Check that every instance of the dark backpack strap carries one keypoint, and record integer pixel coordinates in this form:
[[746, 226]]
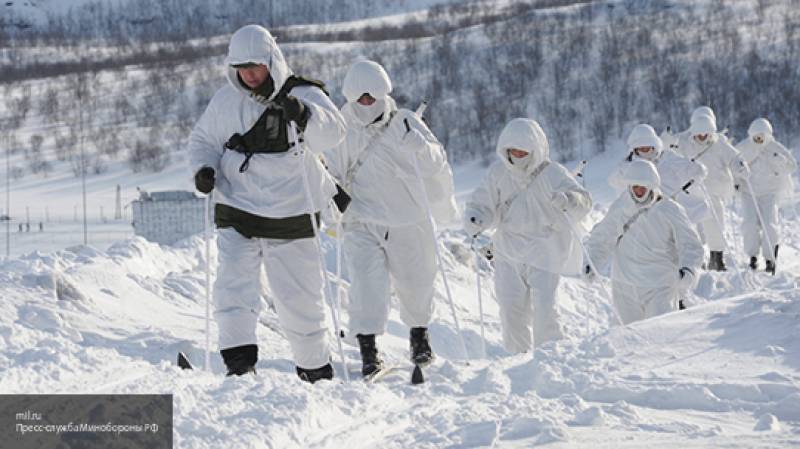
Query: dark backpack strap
[[295, 81]]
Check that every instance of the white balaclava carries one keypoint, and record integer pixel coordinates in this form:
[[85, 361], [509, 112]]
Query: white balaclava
[[644, 135], [520, 163], [642, 173], [762, 127], [367, 77]]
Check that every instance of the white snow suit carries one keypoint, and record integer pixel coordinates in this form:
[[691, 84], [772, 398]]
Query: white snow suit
[[534, 243], [771, 166], [388, 239], [647, 243], [271, 188], [721, 161]]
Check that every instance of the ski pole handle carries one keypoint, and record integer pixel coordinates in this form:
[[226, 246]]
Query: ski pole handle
[[682, 189], [421, 109]]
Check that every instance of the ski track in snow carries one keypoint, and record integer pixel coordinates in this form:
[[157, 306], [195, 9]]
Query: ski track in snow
[[725, 373]]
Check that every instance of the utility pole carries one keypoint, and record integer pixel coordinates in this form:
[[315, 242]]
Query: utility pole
[[8, 198], [118, 205], [82, 82]]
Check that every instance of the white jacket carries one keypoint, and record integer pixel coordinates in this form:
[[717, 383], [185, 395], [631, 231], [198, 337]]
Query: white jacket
[[530, 230], [272, 186], [385, 189], [675, 171], [656, 245], [719, 159], [771, 166]]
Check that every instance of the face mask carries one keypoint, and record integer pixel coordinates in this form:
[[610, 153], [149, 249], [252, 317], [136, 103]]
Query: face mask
[[368, 114], [646, 198], [520, 163], [710, 140], [648, 155]]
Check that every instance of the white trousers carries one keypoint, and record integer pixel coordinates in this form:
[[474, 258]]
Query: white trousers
[[379, 257], [294, 276], [752, 231], [527, 297], [638, 303], [712, 230]]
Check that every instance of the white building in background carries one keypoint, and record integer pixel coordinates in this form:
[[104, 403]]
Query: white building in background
[[167, 217]]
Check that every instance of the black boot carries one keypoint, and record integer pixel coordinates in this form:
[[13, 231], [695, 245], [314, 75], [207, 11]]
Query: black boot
[[754, 263], [770, 268], [370, 360], [240, 359], [771, 263], [313, 375], [712, 262], [721, 261], [421, 352], [716, 262]]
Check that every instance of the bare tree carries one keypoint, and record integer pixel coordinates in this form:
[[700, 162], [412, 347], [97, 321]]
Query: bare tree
[[48, 105], [149, 154]]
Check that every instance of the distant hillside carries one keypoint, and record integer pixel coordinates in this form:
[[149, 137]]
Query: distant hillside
[[588, 71]]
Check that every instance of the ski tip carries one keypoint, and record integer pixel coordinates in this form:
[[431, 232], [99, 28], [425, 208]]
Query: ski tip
[[416, 376], [183, 362]]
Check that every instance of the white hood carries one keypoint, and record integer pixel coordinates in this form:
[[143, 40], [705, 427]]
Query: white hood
[[523, 134], [644, 135], [253, 43], [366, 77], [703, 110], [761, 126]]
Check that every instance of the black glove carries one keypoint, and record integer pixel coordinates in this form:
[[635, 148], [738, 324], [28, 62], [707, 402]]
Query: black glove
[[204, 179], [587, 269], [296, 111], [736, 187], [341, 199]]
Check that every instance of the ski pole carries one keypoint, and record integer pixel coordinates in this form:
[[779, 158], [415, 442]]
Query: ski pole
[[432, 222], [207, 238], [480, 293], [684, 189], [339, 286], [318, 243], [592, 267]]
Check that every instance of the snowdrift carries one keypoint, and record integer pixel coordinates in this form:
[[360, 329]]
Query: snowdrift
[[724, 373]]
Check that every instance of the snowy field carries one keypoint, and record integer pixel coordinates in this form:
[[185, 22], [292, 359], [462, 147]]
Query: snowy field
[[110, 318]]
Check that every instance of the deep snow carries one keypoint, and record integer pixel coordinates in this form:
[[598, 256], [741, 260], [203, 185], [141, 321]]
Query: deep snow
[[725, 373]]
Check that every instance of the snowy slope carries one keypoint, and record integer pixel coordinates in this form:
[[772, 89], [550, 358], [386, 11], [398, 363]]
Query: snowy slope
[[725, 373]]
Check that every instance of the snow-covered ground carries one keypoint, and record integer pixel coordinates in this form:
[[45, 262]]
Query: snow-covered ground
[[724, 373]]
